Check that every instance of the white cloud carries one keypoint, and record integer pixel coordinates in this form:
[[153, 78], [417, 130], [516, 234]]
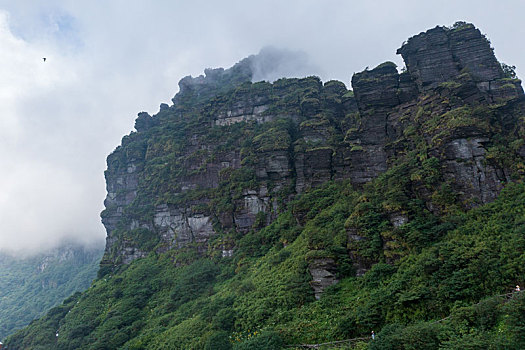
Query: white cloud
[[44, 195]]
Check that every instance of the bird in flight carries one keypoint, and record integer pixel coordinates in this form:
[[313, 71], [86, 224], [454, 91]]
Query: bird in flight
[[44, 59]]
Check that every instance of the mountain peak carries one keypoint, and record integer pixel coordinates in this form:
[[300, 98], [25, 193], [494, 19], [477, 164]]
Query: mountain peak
[[442, 53]]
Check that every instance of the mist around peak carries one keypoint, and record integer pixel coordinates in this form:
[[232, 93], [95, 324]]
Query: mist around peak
[[272, 63]]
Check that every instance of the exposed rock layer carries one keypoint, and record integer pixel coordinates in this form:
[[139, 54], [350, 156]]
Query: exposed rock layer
[[449, 104]]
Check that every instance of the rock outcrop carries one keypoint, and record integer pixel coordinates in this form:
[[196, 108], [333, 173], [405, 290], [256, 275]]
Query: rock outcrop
[[441, 54], [229, 153], [323, 271]]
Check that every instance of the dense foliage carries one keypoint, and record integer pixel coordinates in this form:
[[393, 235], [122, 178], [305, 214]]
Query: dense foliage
[[262, 295]]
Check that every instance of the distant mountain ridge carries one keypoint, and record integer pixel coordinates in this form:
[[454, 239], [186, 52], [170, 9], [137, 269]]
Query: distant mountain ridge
[[30, 286]]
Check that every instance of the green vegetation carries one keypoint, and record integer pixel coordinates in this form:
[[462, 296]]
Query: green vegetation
[[386, 64], [509, 71], [461, 25], [262, 295]]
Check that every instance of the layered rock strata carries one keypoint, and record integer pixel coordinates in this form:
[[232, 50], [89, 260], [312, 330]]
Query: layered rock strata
[[449, 104]]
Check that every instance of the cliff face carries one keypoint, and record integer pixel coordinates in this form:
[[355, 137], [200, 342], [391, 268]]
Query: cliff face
[[228, 153]]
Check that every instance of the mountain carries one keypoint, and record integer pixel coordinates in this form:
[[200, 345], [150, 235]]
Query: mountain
[[30, 286], [258, 215]]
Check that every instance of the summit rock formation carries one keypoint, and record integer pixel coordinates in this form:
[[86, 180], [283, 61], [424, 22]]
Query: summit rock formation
[[448, 104]]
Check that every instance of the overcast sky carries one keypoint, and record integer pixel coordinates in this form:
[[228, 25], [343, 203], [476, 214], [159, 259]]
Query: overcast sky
[[108, 60]]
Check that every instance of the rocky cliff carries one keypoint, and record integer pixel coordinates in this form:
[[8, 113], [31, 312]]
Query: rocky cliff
[[257, 215], [229, 153]]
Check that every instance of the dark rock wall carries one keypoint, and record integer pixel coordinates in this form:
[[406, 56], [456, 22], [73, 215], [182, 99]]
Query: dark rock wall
[[454, 94], [441, 54]]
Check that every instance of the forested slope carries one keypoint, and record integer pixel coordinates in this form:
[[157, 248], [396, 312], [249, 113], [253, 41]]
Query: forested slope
[[32, 285]]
